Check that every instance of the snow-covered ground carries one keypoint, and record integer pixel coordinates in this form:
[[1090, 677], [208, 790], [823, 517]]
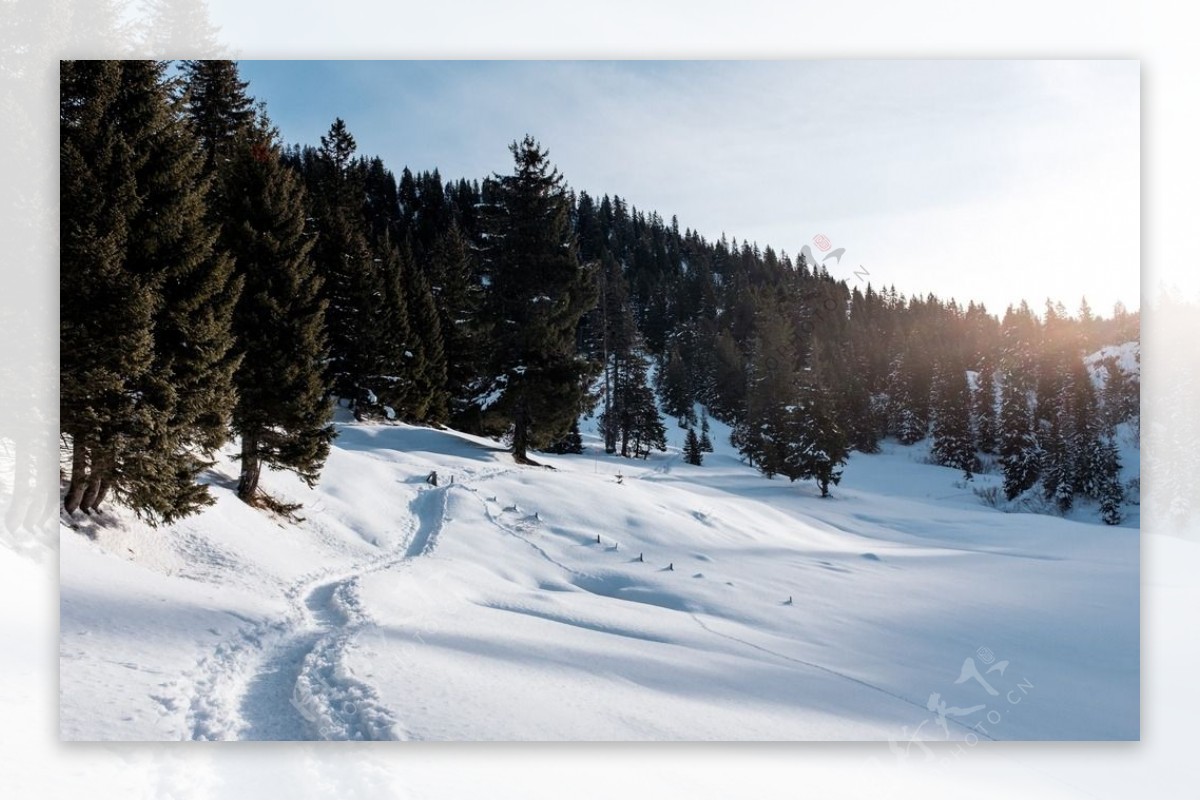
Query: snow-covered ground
[[604, 599]]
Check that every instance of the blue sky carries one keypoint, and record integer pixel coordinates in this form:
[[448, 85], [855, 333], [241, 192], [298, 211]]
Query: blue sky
[[984, 180]]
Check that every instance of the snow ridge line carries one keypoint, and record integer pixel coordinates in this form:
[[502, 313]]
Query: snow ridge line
[[813, 665], [825, 669], [513, 532]]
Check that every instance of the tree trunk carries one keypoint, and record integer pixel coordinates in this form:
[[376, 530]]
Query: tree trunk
[[102, 491], [78, 476], [520, 434], [251, 469], [96, 479]]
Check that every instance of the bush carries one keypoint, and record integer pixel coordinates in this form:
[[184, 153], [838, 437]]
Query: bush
[[989, 495]]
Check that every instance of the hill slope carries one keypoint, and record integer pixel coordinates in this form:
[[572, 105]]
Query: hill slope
[[715, 605]]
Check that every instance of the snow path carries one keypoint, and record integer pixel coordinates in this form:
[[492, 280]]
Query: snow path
[[287, 679]]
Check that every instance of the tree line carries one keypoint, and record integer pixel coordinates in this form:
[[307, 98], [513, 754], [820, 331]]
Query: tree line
[[217, 284]]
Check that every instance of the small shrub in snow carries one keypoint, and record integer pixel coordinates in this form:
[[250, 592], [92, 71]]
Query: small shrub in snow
[[990, 495]]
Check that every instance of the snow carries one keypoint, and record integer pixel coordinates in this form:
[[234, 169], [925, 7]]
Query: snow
[[717, 604], [1126, 356]]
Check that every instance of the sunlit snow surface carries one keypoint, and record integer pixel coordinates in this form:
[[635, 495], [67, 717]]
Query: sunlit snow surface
[[716, 604]]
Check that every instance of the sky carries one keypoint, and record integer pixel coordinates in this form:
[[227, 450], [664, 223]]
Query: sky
[[992, 181]]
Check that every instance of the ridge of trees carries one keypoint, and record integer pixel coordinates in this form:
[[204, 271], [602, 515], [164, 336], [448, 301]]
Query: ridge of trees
[[217, 283]]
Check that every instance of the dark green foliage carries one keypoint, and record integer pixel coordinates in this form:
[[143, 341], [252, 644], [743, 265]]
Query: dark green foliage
[[147, 301], [676, 398], [904, 418], [216, 103], [427, 366], [571, 442], [1020, 455], [692, 452], [953, 444], [705, 441], [459, 297], [283, 407], [1111, 492], [791, 426], [1120, 396], [538, 293], [984, 401], [495, 304], [1087, 431], [817, 447], [1058, 473]]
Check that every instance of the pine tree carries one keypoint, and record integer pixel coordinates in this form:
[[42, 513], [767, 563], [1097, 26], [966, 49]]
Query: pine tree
[[817, 446], [107, 311], [619, 345], [642, 426], [692, 452], [215, 101], [1111, 493], [177, 403], [283, 407], [459, 295], [538, 293], [571, 442], [1058, 477], [1020, 456], [1120, 401], [771, 385], [904, 421], [429, 375], [705, 441], [984, 402], [953, 444], [394, 368], [366, 315], [726, 392], [676, 398], [1087, 429]]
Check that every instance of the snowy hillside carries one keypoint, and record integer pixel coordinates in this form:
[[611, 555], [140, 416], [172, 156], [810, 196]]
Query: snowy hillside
[[603, 599]]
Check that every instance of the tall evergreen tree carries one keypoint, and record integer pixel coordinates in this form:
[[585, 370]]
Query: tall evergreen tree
[[1087, 431], [107, 311], [571, 442], [771, 386], [953, 443], [904, 420], [692, 452], [705, 440], [178, 402], [676, 398], [216, 102], [984, 402], [538, 293], [1111, 493], [364, 284], [283, 408], [459, 299], [429, 373], [817, 448], [633, 418], [1020, 455]]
